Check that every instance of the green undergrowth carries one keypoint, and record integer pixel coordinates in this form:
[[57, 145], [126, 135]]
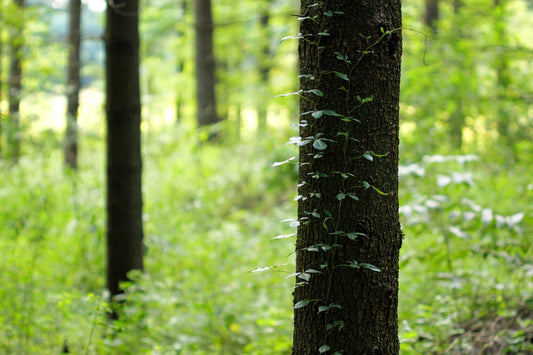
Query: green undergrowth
[[215, 280]]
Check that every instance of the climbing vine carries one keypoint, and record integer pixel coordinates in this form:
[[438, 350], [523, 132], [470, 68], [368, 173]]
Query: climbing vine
[[317, 143]]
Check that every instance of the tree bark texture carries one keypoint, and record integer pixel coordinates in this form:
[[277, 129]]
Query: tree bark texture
[[124, 164], [15, 85], [205, 64], [350, 84], [73, 85]]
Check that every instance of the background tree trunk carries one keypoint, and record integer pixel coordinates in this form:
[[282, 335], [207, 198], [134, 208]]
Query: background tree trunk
[[431, 14], [265, 66], [205, 64], [180, 65], [15, 86], [124, 164], [1, 74], [346, 226], [73, 85]]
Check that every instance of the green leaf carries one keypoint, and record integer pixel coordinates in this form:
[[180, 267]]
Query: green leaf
[[290, 93], [323, 309], [380, 192], [331, 113], [319, 144], [312, 271], [370, 267], [342, 75], [366, 185], [341, 196], [323, 34], [353, 197], [355, 235], [368, 156], [301, 304], [324, 348], [317, 92], [317, 114], [304, 276]]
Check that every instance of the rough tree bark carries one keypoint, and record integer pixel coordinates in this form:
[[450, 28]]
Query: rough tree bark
[[205, 64], [350, 77], [124, 164], [73, 85]]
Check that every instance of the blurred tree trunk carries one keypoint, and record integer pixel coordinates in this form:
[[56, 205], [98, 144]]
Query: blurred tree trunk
[[503, 73], [1, 74], [124, 164], [205, 64], [265, 66], [431, 15], [15, 83], [459, 81], [349, 236], [180, 64], [73, 85]]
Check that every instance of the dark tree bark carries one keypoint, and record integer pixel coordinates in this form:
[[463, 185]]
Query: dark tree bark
[[73, 85], [205, 64], [349, 235], [431, 14], [15, 87], [124, 164], [265, 66]]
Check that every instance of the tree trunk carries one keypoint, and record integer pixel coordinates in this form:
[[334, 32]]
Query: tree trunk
[[205, 64], [460, 82], [180, 64], [15, 86], [73, 85], [1, 74], [265, 65], [349, 235], [124, 164], [431, 14], [503, 74]]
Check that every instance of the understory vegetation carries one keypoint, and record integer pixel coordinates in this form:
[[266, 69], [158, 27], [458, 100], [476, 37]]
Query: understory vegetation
[[217, 255]]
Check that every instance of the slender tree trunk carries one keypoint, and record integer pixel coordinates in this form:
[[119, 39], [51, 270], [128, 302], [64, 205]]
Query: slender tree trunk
[[265, 65], [431, 14], [73, 85], [124, 164], [1, 74], [180, 64], [349, 235], [460, 83], [503, 74], [15, 87], [205, 64]]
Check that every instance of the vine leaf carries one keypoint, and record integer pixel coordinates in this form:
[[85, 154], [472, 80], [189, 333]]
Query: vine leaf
[[324, 348], [301, 304], [342, 75], [319, 144], [317, 114]]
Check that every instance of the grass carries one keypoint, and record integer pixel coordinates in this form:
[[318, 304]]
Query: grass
[[211, 213]]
